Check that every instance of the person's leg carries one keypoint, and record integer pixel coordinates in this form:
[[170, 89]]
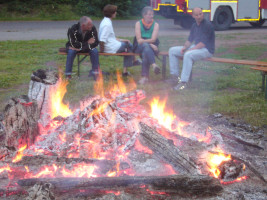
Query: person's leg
[[174, 54], [189, 58], [127, 60], [148, 57], [94, 57], [70, 58]]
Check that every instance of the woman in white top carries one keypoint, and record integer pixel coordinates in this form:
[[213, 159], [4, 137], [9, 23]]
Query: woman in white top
[[109, 43]]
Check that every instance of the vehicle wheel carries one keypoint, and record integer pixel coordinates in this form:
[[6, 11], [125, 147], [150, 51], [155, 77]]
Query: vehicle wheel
[[223, 18], [257, 24], [186, 22]]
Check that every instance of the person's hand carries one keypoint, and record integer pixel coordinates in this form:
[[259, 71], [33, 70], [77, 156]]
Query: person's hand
[[72, 48], [91, 40], [154, 47], [183, 50]]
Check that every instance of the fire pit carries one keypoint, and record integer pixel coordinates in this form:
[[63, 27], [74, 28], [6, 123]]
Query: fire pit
[[112, 148]]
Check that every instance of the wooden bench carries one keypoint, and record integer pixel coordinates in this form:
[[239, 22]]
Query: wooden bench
[[258, 65], [62, 51]]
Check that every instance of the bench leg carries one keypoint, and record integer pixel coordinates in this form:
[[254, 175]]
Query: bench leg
[[164, 60], [263, 82], [78, 58], [265, 87]]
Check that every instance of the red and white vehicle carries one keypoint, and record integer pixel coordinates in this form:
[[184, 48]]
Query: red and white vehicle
[[221, 12]]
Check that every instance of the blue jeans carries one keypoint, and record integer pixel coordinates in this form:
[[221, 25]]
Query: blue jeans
[[71, 56], [148, 57], [189, 58], [126, 47]]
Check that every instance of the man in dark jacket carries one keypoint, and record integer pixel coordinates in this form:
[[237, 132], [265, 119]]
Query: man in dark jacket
[[82, 37]]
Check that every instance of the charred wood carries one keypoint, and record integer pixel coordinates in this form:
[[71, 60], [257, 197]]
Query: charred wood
[[199, 185], [21, 122], [166, 150], [240, 141]]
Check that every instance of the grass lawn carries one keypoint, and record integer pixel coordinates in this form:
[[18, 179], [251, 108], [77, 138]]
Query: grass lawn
[[233, 90]]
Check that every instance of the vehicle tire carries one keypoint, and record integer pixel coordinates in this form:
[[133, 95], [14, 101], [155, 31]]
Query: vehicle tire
[[223, 18], [187, 22], [257, 24]]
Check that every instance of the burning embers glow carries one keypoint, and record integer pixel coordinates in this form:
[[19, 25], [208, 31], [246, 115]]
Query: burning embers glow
[[214, 161], [165, 118]]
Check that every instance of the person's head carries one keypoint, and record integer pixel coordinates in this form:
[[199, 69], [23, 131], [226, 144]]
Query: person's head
[[86, 23], [148, 13], [110, 11], [198, 15]]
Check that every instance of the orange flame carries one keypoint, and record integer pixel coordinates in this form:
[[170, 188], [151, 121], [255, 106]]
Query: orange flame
[[58, 108], [19, 154], [214, 160], [157, 112], [6, 168], [98, 86]]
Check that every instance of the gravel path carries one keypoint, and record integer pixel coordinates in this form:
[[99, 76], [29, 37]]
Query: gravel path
[[29, 30]]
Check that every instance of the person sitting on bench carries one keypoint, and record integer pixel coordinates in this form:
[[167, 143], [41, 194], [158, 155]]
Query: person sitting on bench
[[202, 34], [110, 44], [82, 37], [146, 42]]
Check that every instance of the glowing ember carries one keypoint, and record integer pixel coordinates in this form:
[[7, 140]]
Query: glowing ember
[[56, 100], [19, 154], [234, 181], [214, 160]]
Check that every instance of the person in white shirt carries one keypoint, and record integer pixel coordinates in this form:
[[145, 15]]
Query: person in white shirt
[[110, 44]]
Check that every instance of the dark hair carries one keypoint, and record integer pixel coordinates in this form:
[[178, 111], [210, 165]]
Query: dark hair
[[109, 10]]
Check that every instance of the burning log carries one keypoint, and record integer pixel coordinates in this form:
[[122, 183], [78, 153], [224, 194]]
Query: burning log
[[166, 150], [21, 122], [248, 165], [185, 185]]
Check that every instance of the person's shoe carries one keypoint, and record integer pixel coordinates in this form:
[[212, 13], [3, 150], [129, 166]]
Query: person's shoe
[[137, 62], [126, 74], [156, 69], [143, 80], [180, 86], [173, 80]]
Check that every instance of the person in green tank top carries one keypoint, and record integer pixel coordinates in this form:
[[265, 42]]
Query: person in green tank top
[[146, 33]]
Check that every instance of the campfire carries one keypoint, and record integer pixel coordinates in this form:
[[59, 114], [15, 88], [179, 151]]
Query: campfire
[[111, 146]]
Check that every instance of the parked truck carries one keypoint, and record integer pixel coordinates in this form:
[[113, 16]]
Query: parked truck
[[221, 12]]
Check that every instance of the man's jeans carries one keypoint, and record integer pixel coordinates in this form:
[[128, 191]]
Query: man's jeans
[[71, 56], [148, 57], [189, 58], [126, 47]]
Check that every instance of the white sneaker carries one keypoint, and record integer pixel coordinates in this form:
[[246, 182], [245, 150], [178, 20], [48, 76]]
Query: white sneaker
[[143, 80]]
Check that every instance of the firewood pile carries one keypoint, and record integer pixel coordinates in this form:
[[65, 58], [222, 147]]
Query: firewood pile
[[112, 148]]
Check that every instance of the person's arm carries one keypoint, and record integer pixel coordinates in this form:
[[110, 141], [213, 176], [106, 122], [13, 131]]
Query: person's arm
[[139, 38], [103, 36], [93, 41], [74, 43], [138, 33], [187, 44], [199, 45]]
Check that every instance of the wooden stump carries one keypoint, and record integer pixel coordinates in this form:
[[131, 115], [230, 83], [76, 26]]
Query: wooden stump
[[20, 121], [40, 88]]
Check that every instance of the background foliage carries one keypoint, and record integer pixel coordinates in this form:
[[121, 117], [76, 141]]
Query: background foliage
[[92, 8]]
